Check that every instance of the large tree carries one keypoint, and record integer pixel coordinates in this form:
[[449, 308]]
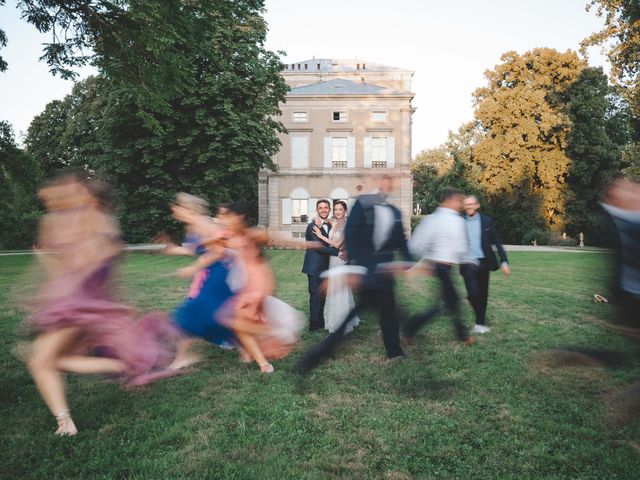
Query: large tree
[[593, 146], [621, 35], [187, 98], [525, 129]]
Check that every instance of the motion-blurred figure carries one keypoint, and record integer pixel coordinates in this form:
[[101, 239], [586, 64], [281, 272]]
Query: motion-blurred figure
[[441, 239], [622, 202], [80, 328], [234, 305]]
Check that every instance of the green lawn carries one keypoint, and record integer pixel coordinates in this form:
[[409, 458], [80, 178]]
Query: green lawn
[[499, 409]]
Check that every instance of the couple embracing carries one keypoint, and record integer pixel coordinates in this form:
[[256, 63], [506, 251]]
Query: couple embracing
[[328, 233]]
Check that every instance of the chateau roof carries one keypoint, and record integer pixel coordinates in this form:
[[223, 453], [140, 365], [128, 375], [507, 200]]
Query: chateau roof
[[315, 65], [340, 86]]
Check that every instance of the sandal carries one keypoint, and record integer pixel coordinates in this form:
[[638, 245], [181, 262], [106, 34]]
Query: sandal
[[66, 427], [266, 368], [599, 298]]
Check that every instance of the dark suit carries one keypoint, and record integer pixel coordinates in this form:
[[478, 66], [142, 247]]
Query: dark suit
[[316, 261], [376, 290], [476, 277]]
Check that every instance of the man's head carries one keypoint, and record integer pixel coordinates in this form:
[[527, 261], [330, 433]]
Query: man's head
[[471, 205], [323, 208], [384, 183], [451, 198]]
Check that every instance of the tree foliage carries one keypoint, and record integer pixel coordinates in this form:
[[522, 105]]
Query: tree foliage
[[621, 34], [3, 43], [186, 100], [19, 175], [446, 166], [595, 156], [525, 128]]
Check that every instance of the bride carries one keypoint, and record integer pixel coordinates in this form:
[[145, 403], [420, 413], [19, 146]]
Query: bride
[[339, 297]]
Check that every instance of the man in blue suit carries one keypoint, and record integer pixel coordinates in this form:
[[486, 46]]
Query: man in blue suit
[[316, 261], [373, 233]]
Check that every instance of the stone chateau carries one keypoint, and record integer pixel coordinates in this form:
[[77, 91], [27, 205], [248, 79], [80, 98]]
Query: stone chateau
[[346, 119]]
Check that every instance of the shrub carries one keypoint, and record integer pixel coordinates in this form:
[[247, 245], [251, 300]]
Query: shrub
[[540, 235], [556, 239]]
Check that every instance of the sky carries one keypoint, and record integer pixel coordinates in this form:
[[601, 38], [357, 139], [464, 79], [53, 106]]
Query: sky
[[449, 44]]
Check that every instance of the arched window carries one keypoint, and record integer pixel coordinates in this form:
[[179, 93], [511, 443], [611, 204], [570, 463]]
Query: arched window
[[295, 209]]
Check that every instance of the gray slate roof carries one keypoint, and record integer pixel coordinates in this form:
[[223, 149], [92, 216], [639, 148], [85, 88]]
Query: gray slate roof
[[340, 86]]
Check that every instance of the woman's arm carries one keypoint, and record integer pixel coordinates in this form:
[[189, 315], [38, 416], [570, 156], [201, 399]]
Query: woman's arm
[[334, 243], [203, 261]]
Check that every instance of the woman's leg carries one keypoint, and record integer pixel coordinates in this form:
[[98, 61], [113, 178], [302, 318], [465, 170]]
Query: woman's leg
[[85, 364], [184, 358], [47, 349], [251, 346]]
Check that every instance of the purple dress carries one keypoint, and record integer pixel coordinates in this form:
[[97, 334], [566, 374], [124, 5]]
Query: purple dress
[[106, 327]]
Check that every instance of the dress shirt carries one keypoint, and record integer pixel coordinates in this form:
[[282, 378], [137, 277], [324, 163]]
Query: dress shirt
[[382, 226], [441, 238], [474, 234]]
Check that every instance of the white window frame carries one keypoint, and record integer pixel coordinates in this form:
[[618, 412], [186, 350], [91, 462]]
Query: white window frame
[[343, 114], [300, 120], [378, 120], [380, 161], [299, 199], [339, 152], [379, 149]]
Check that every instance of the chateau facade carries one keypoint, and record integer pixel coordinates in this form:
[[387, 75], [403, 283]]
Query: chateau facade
[[346, 120]]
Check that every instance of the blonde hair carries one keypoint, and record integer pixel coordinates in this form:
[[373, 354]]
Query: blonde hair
[[193, 203]]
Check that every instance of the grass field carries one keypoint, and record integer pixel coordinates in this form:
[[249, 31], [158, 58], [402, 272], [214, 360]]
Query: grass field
[[499, 409]]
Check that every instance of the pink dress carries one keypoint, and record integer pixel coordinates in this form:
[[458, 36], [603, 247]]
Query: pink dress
[[105, 326]]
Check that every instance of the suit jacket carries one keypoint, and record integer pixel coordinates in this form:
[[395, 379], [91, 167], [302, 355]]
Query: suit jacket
[[316, 260], [490, 236], [359, 235]]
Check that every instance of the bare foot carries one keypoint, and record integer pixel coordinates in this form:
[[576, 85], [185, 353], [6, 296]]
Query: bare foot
[[183, 362]]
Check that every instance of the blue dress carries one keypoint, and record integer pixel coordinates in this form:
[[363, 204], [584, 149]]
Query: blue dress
[[198, 316]]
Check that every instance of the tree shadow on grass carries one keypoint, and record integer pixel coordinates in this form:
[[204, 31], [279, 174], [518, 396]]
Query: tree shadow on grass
[[572, 356]]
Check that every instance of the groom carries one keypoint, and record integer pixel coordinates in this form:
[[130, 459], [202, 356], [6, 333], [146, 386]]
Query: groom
[[316, 261]]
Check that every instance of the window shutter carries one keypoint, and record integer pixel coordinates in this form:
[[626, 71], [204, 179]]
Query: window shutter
[[286, 211], [367, 152], [312, 208], [299, 152], [327, 152], [391, 152], [351, 152]]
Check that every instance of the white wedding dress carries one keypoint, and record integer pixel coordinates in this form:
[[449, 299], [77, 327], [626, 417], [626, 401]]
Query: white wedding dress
[[339, 300]]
